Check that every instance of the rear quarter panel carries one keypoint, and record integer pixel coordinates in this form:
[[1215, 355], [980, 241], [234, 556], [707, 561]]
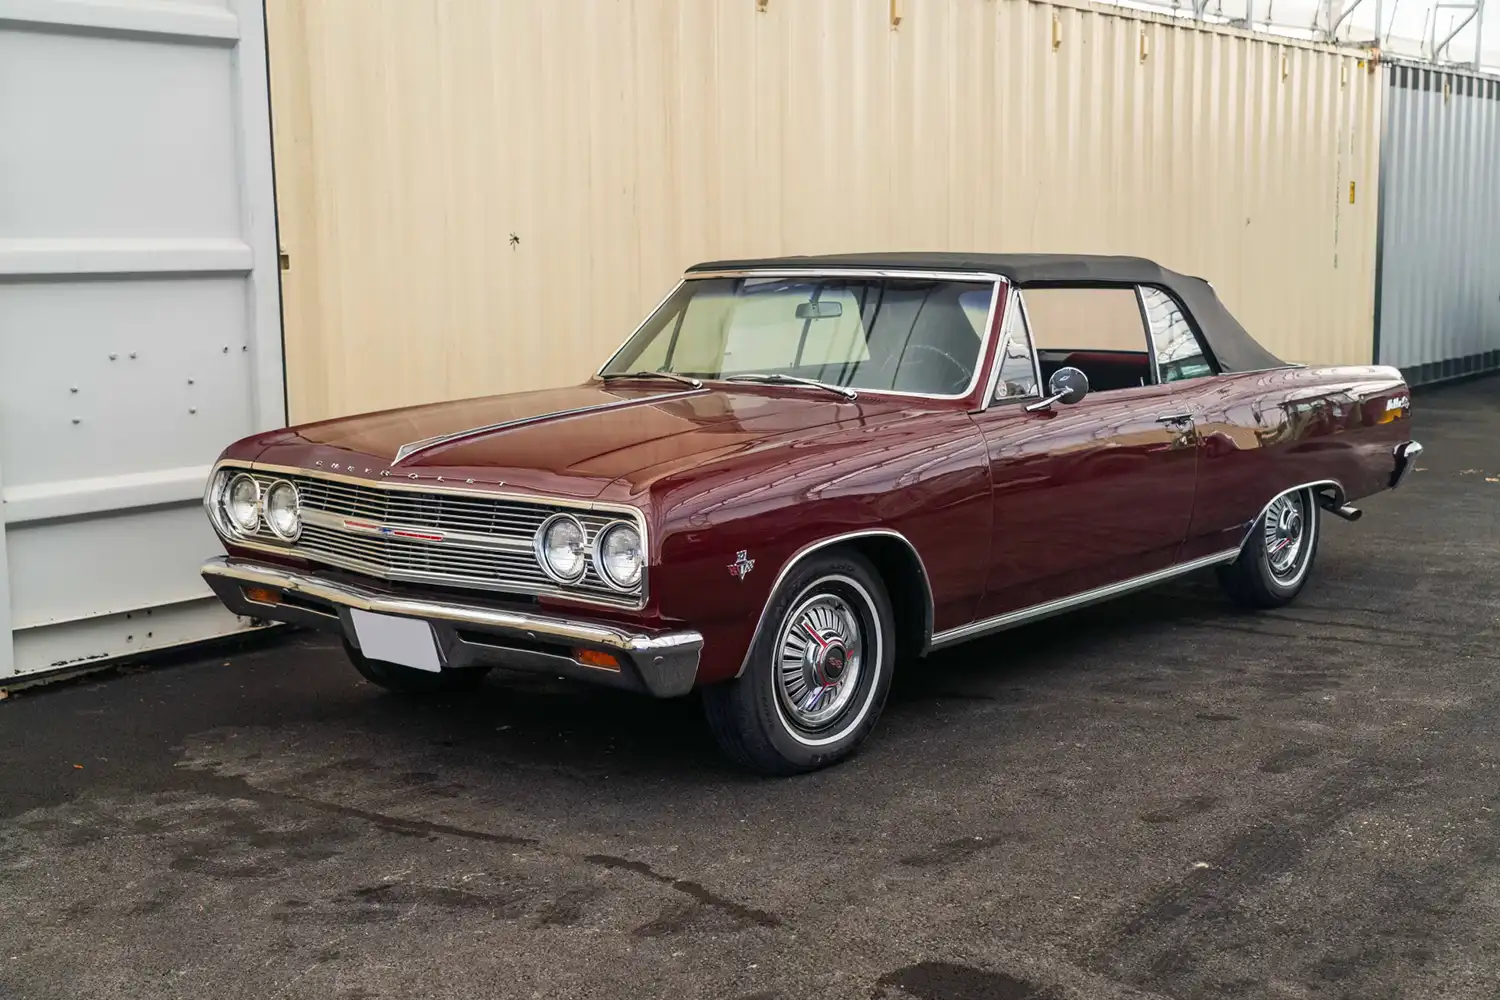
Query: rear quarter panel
[[1262, 433]]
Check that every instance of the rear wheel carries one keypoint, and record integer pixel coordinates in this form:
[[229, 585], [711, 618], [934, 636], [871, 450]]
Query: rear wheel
[[1277, 557], [818, 674], [408, 680]]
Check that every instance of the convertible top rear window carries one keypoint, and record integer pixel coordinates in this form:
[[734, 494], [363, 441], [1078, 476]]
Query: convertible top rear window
[[913, 335]]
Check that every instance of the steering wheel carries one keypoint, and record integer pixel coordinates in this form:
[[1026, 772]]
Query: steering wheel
[[960, 372]]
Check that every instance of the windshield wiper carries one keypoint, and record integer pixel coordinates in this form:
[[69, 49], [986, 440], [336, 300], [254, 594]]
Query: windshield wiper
[[609, 376], [777, 379]]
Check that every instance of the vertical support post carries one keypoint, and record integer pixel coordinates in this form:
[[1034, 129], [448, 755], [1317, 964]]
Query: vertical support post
[[1478, 33], [7, 645], [258, 217], [1379, 13]]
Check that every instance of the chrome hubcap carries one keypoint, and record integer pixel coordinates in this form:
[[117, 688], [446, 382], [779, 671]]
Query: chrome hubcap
[[1285, 535], [820, 651]]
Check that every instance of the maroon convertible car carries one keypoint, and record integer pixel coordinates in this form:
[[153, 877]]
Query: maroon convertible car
[[803, 472]]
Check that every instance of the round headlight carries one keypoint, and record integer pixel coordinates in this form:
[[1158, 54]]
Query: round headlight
[[618, 556], [562, 548], [241, 504], [283, 511]]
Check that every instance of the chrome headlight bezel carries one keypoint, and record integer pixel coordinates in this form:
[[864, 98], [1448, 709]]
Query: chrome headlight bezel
[[602, 568], [226, 509], [266, 505], [539, 547]]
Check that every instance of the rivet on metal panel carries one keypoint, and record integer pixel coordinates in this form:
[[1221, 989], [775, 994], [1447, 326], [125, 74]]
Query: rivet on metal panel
[[73, 388], [244, 347], [192, 409], [226, 351], [895, 14], [1056, 32], [112, 357], [190, 381], [77, 420], [760, 6], [1145, 45], [132, 355]]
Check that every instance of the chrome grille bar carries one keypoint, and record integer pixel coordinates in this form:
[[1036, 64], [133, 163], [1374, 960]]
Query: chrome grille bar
[[484, 542]]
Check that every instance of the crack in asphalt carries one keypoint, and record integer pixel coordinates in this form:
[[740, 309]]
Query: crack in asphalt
[[696, 891], [693, 889]]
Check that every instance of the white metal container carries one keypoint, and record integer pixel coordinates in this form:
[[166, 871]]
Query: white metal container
[[139, 314], [1438, 310]]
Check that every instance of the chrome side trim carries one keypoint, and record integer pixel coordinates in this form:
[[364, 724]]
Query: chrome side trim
[[1406, 455], [1037, 611], [1250, 528], [809, 549], [426, 444]]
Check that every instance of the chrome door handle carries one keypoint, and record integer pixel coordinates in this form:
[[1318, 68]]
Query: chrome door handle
[[1176, 418]]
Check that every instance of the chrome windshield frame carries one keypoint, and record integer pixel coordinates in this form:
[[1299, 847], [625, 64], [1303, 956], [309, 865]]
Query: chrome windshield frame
[[998, 288]]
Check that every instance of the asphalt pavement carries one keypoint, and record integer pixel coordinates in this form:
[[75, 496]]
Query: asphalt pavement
[[1162, 797]]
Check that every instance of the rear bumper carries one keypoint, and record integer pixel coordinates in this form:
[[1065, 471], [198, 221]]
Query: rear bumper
[[664, 664], [1406, 454]]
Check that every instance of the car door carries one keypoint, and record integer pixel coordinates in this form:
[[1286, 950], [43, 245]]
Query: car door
[[1094, 493]]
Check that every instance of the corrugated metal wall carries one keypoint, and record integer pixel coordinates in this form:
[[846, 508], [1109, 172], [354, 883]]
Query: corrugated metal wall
[[486, 195], [1439, 274]]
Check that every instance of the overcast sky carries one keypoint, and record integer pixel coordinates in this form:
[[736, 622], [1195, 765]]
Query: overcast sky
[[1407, 23]]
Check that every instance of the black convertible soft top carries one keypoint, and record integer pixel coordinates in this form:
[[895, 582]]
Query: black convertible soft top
[[1233, 348]]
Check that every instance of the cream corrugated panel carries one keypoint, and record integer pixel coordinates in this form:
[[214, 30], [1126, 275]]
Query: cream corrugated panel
[[486, 195]]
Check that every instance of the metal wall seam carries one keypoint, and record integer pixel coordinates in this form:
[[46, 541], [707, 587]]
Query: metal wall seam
[[1439, 284]]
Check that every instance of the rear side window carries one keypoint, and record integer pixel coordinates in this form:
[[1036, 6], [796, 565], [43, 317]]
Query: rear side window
[[1096, 330], [1178, 353]]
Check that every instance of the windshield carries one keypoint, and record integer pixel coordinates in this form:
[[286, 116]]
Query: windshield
[[896, 334]]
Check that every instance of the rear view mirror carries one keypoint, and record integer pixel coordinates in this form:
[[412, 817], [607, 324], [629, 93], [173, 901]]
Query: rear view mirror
[[820, 310], [1069, 385]]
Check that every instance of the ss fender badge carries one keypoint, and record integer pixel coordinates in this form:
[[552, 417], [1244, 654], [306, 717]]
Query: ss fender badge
[[1397, 403], [742, 565]]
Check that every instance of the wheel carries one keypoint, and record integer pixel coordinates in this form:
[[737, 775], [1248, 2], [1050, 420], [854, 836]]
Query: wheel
[[408, 680], [818, 674], [1276, 559]]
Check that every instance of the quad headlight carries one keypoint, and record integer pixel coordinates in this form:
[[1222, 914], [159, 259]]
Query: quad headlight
[[618, 555], [562, 548], [284, 511], [240, 504]]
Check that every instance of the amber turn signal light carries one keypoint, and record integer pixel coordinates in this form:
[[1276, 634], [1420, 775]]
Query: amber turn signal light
[[260, 595], [594, 658]]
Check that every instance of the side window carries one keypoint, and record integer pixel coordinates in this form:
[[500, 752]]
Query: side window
[[1097, 330], [1017, 376], [1178, 354]]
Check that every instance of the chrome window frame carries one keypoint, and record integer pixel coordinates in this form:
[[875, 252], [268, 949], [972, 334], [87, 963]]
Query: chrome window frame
[[631, 600], [999, 285], [1015, 305]]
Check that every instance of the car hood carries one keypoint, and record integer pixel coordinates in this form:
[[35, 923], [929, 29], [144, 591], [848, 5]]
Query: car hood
[[575, 441]]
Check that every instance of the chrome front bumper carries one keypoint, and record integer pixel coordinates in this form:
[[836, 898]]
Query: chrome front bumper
[[1406, 454], [664, 664]]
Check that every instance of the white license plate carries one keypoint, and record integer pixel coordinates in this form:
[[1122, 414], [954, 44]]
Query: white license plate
[[406, 641]]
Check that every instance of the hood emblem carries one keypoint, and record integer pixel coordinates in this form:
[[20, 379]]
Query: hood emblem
[[390, 532], [742, 565]]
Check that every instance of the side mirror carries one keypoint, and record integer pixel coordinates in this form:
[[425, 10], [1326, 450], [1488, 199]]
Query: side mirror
[[1067, 385]]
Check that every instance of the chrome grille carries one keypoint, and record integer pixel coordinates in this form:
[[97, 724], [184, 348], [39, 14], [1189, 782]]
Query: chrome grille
[[489, 543]]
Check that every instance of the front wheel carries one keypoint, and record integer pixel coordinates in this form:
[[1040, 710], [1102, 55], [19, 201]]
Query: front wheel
[[1277, 557], [818, 674]]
